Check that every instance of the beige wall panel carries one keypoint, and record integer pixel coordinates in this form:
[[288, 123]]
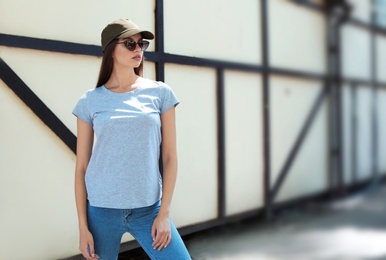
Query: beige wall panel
[[214, 29], [291, 102], [296, 37], [244, 133], [364, 141], [36, 187], [361, 10], [149, 70], [381, 58], [195, 198], [381, 131], [72, 21], [347, 109], [59, 80], [356, 46]]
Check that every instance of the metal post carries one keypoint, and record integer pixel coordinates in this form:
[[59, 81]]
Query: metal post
[[221, 144], [159, 40], [266, 107], [374, 88]]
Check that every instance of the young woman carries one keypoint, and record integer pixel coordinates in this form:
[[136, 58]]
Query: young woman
[[118, 186]]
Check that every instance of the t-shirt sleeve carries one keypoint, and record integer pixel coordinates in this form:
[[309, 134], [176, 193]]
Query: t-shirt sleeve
[[169, 99], [82, 111]]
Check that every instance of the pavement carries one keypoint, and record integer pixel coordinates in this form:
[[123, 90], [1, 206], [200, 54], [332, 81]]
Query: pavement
[[346, 229], [351, 228]]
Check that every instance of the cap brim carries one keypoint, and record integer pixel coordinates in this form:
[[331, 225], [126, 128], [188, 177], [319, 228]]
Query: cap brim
[[145, 34]]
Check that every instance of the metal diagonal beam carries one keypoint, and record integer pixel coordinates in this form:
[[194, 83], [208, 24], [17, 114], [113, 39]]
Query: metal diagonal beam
[[12, 80], [298, 143]]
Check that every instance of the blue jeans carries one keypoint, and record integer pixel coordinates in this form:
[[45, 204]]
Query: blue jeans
[[108, 226]]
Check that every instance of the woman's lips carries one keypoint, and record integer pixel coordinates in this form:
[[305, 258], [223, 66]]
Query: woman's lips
[[137, 57]]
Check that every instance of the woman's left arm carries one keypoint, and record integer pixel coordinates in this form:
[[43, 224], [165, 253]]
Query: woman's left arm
[[161, 227]]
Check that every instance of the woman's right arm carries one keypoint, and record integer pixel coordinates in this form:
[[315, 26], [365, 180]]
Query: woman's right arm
[[85, 139]]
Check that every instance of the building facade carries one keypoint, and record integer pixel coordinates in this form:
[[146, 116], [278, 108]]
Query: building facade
[[281, 101]]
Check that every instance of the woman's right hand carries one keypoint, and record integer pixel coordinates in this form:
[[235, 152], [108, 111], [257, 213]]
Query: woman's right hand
[[86, 245]]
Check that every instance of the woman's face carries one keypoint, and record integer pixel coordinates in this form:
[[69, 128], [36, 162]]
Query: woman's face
[[124, 57]]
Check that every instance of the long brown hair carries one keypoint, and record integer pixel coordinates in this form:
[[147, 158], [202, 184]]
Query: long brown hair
[[108, 64]]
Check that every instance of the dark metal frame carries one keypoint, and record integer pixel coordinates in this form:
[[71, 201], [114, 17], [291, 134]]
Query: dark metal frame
[[374, 88], [265, 69], [334, 25], [13, 81], [268, 200], [354, 134], [221, 193]]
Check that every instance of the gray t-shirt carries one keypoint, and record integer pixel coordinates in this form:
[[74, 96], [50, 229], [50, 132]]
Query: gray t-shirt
[[123, 171]]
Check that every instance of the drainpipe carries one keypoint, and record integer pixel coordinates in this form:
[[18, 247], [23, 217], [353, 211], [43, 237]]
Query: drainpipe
[[337, 12]]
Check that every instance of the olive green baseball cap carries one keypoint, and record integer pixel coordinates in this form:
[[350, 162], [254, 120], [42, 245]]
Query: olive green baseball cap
[[120, 29]]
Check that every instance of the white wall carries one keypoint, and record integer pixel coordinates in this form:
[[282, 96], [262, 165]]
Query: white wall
[[36, 186], [356, 56], [361, 10], [291, 102], [195, 198], [381, 99], [297, 37], [244, 138], [381, 122], [364, 139], [73, 21], [214, 29], [381, 58]]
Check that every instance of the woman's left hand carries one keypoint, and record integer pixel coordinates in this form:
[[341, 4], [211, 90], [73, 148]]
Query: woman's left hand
[[161, 233]]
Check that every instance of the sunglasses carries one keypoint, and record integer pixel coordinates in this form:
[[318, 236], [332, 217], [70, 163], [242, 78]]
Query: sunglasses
[[131, 45]]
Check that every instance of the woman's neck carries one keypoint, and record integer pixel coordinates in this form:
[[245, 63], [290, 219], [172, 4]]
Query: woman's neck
[[122, 79]]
